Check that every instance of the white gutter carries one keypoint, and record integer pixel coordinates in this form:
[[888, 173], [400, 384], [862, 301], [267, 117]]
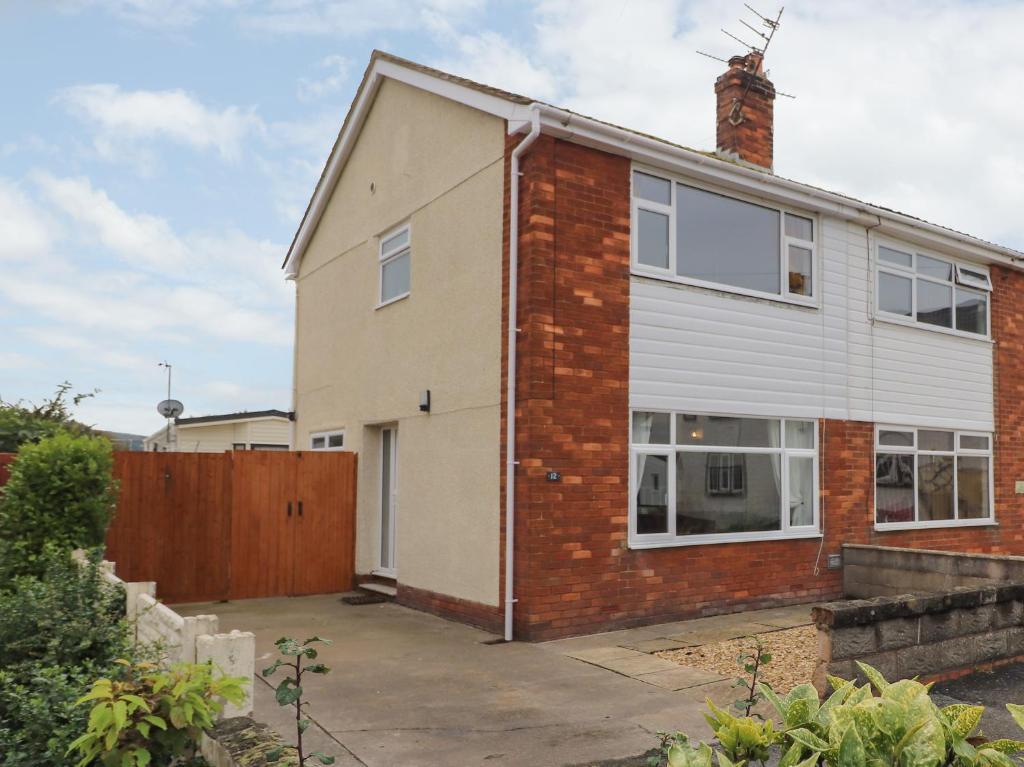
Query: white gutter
[[567, 125], [510, 395]]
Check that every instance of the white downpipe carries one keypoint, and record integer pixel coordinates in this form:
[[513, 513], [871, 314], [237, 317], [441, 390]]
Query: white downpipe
[[510, 396]]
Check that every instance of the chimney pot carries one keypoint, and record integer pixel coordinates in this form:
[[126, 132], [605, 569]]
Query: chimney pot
[[745, 111]]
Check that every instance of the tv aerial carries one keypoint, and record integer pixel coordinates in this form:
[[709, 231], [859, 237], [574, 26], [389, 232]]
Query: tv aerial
[[768, 27]]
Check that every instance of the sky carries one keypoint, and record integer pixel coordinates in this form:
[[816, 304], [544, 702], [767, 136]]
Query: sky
[[156, 155]]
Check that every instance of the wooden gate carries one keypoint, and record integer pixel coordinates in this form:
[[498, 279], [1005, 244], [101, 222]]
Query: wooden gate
[[208, 526]]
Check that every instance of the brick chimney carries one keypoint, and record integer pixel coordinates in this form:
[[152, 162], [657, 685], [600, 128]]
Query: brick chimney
[[745, 111]]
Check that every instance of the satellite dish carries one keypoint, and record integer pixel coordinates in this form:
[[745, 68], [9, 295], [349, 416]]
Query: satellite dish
[[170, 408]]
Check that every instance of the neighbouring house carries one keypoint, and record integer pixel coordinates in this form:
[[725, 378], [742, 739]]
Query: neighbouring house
[[125, 441], [716, 376], [255, 430]]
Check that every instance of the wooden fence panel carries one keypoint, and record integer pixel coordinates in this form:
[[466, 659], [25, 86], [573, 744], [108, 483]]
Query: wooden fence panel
[[173, 523], [263, 529], [5, 460], [211, 526], [324, 546]]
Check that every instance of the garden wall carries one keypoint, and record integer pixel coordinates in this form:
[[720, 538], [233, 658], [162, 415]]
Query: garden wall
[[186, 639], [921, 613], [875, 571]]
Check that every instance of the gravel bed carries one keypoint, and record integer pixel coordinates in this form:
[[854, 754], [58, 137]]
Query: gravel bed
[[794, 655]]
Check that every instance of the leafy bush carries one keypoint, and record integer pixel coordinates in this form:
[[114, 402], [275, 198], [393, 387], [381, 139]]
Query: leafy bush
[[151, 716], [70, 617], [22, 423], [57, 634], [60, 491], [38, 716], [876, 724]]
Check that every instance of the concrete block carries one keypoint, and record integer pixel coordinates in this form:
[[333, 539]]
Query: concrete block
[[978, 619], [989, 646], [132, 592], [901, 632], [928, 659], [853, 642], [235, 655], [937, 627], [1014, 641]]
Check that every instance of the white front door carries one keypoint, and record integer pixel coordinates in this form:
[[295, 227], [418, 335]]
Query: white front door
[[388, 500]]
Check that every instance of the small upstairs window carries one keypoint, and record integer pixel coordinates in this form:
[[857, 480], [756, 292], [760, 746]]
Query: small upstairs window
[[395, 265], [932, 291]]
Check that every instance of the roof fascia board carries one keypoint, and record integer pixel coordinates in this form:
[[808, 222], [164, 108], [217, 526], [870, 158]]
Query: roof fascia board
[[485, 102], [230, 421], [656, 153]]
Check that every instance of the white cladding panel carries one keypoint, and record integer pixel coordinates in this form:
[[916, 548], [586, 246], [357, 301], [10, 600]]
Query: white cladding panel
[[714, 352]]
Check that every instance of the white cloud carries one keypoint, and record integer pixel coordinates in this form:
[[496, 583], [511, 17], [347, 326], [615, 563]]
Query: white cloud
[[351, 18], [173, 115], [903, 104], [163, 14], [337, 68], [27, 231]]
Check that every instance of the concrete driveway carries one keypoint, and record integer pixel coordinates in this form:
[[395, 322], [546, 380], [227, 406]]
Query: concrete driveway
[[409, 689]]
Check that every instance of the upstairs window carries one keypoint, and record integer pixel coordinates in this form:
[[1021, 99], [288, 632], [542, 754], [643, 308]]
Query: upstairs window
[[931, 291], [395, 266], [700, 237]]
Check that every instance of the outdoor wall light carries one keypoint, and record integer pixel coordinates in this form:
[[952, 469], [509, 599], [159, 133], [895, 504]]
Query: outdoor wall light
[[425, 401]]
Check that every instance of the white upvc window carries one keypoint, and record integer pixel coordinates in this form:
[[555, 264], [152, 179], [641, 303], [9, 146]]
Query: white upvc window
[[395, 264], [698, 479], [931, 291], [327, 440], [696, 236], [932, 478]]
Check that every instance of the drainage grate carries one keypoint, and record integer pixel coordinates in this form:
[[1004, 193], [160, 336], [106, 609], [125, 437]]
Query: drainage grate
[[364, 599]]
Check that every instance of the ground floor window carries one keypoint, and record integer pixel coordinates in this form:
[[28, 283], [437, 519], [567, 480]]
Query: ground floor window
[[327, 440], [932, 477], [709, 478]]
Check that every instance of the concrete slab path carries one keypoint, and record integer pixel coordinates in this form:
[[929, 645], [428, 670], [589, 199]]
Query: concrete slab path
[[409, 689]]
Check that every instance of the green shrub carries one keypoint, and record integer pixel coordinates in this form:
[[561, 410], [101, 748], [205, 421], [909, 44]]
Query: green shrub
[[877, 724], [57, 634], [146, 716], [22, 423], [38, 716], [60, 491]]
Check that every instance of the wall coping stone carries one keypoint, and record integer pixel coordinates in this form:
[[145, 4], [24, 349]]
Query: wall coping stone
[[242, 742], [935, 552], [860, 612]]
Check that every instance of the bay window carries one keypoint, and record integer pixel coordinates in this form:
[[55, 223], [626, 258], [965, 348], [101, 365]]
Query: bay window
[[692, 235], [932, 477], [931, 291], [705, 479]]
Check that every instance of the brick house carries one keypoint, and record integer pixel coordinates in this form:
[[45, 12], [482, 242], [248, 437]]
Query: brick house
[[718, 375]]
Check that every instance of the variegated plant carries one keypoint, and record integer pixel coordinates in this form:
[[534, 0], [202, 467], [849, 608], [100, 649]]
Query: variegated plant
[[879, 724]]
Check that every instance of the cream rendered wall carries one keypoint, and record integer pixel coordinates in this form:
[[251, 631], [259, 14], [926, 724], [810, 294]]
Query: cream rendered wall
[[438, 165]]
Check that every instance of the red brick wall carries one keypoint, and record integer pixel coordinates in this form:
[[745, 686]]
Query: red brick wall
[[574, 571]]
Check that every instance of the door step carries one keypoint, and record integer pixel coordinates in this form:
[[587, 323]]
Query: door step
[[380, 588]]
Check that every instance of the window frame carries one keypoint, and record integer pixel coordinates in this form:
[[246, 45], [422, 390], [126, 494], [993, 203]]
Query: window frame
[[916, 451], [387, 257], [326, 435], [670, 274], [956, 282], [669, 539]]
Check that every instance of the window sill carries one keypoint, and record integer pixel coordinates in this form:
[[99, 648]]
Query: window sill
[[711, 540], [892, 526], [895, 319], [655, 274], [390, 301]]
